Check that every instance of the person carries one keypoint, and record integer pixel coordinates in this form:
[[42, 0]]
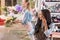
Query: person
[[43, 22], [27, 21], [24, 2], [24, 5]]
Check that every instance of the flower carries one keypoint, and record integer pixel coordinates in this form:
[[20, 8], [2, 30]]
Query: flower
[[9, 21], [18, 8], [8, 18]]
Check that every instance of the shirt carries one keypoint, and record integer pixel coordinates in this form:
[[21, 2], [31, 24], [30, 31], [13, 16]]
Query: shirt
[[27, 17]]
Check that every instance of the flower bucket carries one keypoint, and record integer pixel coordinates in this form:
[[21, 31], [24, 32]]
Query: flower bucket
[[2, 21]]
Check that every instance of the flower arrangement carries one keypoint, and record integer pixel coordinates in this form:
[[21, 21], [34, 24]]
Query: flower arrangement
[[9, 21], [18, 8]]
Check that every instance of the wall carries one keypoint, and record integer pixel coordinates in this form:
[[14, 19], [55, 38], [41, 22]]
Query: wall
[[2, 5], [50, 4]]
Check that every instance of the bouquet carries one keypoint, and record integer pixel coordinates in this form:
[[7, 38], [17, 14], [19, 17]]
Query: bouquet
[[10, 21]]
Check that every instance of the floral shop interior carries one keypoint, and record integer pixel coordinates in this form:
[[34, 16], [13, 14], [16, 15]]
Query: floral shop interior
[[16, 22]]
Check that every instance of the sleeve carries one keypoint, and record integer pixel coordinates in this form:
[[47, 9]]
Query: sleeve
[[25, 18], [49, 31]]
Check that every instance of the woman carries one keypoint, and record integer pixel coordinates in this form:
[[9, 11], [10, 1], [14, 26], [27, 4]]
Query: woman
[[44, 20], [27, 21], [24, 4]]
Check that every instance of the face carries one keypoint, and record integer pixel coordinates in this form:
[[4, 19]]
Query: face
[[24, 4], [40, 15]]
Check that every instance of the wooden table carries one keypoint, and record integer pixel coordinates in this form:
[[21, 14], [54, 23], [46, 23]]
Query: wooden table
[[55, 36]]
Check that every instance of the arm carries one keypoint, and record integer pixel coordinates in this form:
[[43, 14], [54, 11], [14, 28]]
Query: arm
[[25, 18]]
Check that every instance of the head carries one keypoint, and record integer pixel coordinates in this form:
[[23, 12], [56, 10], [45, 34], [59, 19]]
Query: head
[[45, 14], [24, 2]]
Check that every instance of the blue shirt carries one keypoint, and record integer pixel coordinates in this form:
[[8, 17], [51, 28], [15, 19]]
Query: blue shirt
[[27, 17]]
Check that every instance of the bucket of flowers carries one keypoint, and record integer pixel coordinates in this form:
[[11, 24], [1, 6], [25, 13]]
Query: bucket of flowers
[[10, 21], [2, 21]]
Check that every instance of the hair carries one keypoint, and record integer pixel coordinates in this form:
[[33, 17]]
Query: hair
[[46, 14], [36, 14], [26, 0], [28, 5], [38, 25]]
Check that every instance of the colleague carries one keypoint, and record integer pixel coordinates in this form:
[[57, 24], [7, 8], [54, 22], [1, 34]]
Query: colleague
[[43, 22], [27, 21]]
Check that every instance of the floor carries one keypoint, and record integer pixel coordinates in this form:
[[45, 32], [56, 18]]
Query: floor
[[15, 32]]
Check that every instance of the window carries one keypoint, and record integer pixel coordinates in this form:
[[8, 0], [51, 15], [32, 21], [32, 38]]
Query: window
[[14, 2], [10, 2]]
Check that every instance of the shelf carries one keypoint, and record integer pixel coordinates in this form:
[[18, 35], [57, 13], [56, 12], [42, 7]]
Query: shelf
[[56, 23]]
